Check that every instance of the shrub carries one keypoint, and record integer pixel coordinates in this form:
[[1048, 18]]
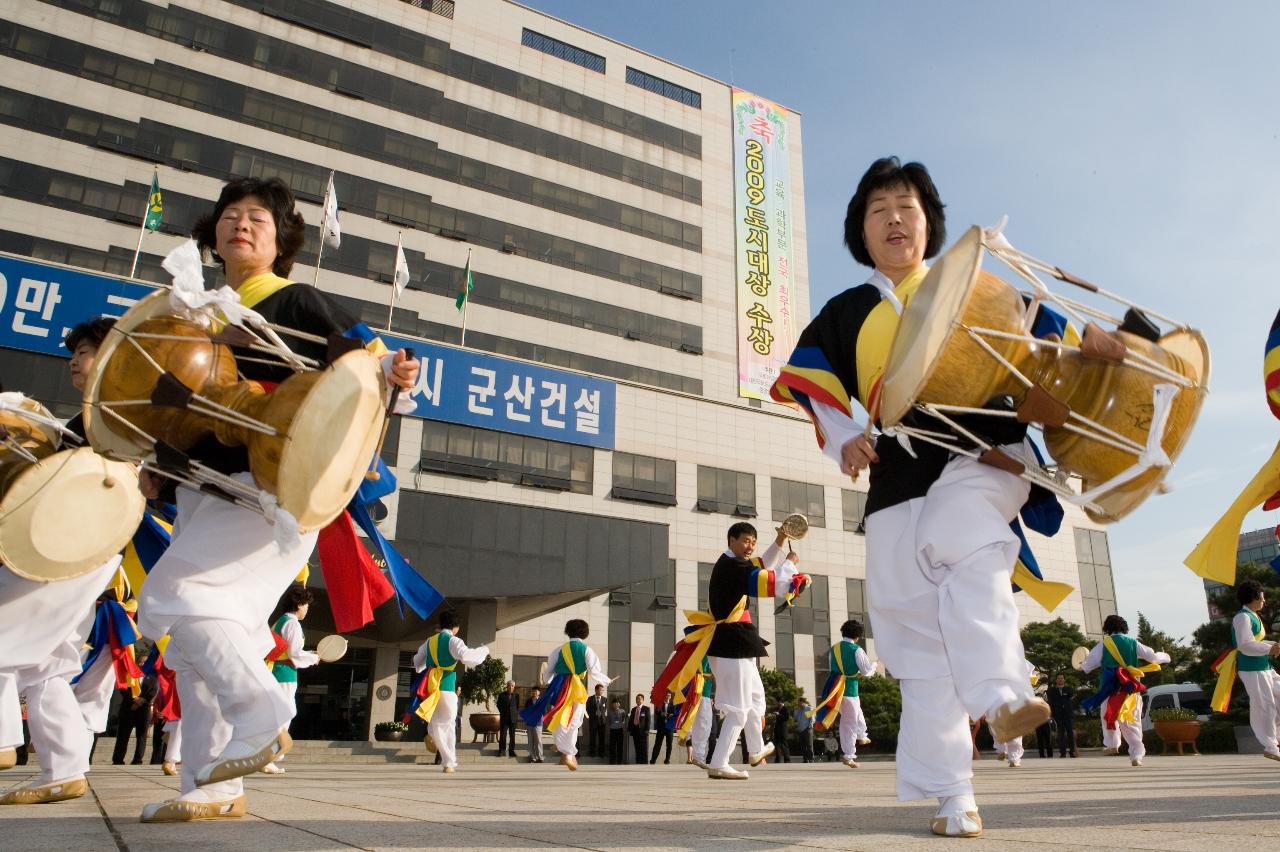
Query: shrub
[[481, 683], [386, 727], [1173, 714], [882, 705]]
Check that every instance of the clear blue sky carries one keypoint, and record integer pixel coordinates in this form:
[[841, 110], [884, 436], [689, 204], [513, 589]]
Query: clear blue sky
[[1137, 144]]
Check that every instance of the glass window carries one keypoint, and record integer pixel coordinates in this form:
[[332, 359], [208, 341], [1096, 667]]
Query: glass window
[[726, 491], [853, 507], [790, 497]]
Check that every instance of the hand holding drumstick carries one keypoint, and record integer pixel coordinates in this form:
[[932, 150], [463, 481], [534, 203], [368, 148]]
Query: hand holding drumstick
[[856, 454]]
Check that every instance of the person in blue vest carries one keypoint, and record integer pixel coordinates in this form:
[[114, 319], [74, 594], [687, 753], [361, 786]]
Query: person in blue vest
[[1254, 661], [847, 662], [1120, 688], [563, 706], [295, 603], [436, 697]]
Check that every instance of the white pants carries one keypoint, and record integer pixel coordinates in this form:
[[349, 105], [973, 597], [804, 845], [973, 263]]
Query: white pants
[[226, 693], [1012, 750], [740, 697], [566, 736], [58, 731], [1131, 731], [853, 725], [700, 731], [1264, 705], [10, 712], [94, 691], [173, 745], [441, 729], [945, 622], [36, 617]]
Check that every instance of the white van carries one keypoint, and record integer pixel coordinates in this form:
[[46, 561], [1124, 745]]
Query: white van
[[1174, 695]]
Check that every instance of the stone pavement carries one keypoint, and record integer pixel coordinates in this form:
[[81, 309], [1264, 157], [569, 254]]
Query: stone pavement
[[1198, 804]]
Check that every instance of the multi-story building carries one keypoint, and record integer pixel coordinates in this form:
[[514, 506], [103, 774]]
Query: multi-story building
[[1257, 547], [596, 191]]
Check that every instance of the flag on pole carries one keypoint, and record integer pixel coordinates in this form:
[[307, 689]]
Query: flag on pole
[[332, 231], [467, 286], [402, 270], [155, 205]]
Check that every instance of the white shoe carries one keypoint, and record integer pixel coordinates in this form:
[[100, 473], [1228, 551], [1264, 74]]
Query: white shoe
[[1271, 755], [1135, 762], [964, 824], [242, 757], [864, 740], [271, 769], [701, 764], [1017, 718], [727, 773], [762, 755], [850, 762], [1014, 764], [1111, 752], [185, 810]]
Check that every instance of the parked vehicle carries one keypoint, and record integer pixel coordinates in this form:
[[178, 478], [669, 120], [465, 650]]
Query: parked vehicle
[[1174, 695]]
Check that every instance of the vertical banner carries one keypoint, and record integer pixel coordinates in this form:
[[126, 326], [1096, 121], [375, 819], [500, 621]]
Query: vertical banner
[[762, 231]]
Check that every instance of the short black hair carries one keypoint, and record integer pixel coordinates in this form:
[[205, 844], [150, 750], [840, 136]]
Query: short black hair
[[576, 628], [291, 229], [295, 596], [885, 173], [851, 629], [742, 528], [449, 620], [1115, 624], [1248, 592], [90, 331]]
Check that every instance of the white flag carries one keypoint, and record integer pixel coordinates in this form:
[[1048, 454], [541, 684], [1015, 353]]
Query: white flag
[[402, 270], [332, 231]]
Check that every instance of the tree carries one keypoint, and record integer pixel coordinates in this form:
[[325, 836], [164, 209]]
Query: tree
[[1181, 656], [882, 705], [1048, 646], [482, 682], [780, 688]]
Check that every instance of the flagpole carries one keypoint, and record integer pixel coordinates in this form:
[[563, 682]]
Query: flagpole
[[142, 229], [394, 288], [324, 229], [466, 301]]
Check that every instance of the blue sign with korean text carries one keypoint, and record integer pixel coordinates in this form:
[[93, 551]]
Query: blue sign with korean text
[[40, 303]]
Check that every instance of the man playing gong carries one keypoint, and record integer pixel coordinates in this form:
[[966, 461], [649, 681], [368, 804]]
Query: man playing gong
[[939, 545]]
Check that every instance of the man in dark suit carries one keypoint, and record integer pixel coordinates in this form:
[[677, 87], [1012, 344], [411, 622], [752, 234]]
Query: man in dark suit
[[1062, 704], [617, 723], [662, 715], [780, 721], [508, 711], [597, 722], [638, 727], [135, 716]]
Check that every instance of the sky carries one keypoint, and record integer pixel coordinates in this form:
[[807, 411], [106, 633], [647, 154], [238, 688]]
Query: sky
[[1135, 144]]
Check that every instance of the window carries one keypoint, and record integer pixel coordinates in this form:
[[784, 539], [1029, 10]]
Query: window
[[458, 450], [644, 478], [790, 497], [1097, 589], [561, 50], [853, 507], [726, 491], [667, 89], [856, 602]]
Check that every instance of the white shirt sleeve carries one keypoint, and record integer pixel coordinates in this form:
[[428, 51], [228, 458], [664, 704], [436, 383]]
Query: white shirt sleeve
[[1151, 655], [783, 569], [866, 668], [1245, 642], [549, 671], [595, 674], [467, 656], [1094, 659], [837, 428], [291, 630]]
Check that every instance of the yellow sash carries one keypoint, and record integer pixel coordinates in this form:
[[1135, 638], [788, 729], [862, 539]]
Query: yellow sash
[[1227, 671], [837, 689], [1044, 592], [876, 337], [1138, 672], [1215, 556], [577, 692], [434, 676], [695, 706], [259, 287], [704, 624]]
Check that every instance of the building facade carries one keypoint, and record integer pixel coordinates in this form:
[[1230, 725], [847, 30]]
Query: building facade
[[1256, 547], [591, 189]]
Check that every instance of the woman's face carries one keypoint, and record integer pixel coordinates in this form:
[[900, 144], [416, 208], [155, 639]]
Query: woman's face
[[895, 229], [82, 362], [246, 235]]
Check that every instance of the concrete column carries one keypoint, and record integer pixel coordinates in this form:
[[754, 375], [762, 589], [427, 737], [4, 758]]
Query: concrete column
[[479, 621], [386, 672]]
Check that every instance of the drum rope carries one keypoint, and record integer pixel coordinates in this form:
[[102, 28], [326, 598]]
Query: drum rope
[[1133, 359]]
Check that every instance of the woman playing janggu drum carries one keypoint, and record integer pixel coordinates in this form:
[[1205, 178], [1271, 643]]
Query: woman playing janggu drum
[[939, 545], [215, 587]]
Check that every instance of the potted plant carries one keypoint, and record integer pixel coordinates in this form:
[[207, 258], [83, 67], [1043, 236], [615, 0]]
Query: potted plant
[[389, 732], [1177, 725], [479, 685]]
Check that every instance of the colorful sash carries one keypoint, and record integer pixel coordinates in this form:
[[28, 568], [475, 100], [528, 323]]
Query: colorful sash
[[827, 710], [1228, 665], [691, 650], [555, 707], [114, 632], [166, 706], [432, 681], [1119, 687]]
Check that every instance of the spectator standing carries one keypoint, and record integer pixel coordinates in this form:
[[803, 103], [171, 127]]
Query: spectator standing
[[638, 726], [804, 729], [781, 720], [508, 709], [135, 717], [1062, 704], [597, 722], [662, 716], [617, 722], [534, 731]]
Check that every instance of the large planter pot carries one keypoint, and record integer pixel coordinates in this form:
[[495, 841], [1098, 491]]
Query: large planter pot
[[1178, 732], [388, 736], [487, 724]]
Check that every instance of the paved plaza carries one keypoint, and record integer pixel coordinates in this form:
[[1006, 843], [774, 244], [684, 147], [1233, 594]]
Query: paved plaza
[[1198, 804]]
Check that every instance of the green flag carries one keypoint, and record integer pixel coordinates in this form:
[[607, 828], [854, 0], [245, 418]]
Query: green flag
[[467, 286], [155, 206]]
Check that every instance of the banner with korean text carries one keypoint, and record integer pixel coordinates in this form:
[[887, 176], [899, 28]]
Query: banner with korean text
[[41, 302], [765, 252]]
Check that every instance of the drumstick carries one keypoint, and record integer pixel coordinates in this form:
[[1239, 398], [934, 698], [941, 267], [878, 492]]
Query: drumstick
[[372, 473]]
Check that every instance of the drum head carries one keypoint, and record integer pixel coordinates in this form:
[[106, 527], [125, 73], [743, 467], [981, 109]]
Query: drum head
[[105, 434], [1077, 658], [331, 648], [795, 526], [68, 514], [36, 437], [332, 439], [926, 324]]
